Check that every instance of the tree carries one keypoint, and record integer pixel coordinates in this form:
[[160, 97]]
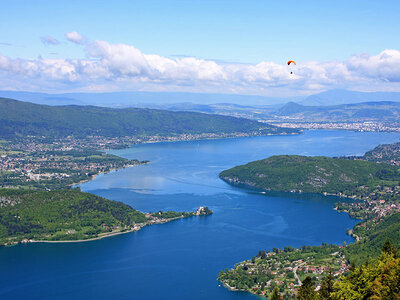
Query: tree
[[379, 279], [306, 290], [261, 254], [388, 248], [327, 287], [275, 294]]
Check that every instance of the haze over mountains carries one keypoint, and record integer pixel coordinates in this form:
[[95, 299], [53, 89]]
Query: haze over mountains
[[329, 106], [142, 99], [366, 111], [336, 97], [184, 101]]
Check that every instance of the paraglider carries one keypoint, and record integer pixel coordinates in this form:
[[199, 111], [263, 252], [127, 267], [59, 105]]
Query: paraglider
[[291, 62]]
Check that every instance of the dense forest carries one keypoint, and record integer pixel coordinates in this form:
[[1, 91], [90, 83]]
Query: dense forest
[[19, 118], [373, 239], [61, 215], [377, 279], [310, 174]]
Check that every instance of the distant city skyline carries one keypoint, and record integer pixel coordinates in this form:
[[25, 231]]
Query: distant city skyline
[[230, 47]]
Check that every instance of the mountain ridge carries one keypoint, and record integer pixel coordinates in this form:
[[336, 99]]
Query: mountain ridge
[[19, 118], [337, 96]]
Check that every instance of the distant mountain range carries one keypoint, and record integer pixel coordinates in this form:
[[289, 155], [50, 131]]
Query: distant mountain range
[[334, 105], [190, 101], [19, 118], [336, 97], [365, 111], [382, 111], [142, 99]]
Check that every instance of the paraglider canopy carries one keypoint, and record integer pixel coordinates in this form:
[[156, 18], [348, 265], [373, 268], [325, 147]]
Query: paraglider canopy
[[291, 62]]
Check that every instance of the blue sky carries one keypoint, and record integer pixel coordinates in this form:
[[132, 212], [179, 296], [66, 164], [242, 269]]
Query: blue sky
[[224, 32]]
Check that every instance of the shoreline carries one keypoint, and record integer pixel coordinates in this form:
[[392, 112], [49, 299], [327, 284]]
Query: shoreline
[[80, 241], [349, 232], [171, 139], [168, 140], [92, 177], [106, 235]]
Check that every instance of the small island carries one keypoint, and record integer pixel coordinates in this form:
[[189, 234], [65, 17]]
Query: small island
[[71, 215]]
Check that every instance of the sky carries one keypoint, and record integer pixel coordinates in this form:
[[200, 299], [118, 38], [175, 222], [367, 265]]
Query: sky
[[218, 46]]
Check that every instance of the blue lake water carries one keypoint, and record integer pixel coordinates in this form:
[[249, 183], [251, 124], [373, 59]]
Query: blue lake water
[[181, 259]]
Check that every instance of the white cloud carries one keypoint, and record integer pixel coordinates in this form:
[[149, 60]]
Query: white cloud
[[384, 66], [124, 67], [49, 40], [76, 38]]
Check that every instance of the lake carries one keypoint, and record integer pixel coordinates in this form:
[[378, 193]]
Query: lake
[[181, 259]]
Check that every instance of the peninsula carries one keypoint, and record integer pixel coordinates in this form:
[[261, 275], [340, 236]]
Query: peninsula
[[71, 215], [372, 181]]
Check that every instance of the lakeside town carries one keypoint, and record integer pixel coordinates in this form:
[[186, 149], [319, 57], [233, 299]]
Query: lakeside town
[[377, 201], [60, 163], [285, 269], [42, 163], [367, 126]]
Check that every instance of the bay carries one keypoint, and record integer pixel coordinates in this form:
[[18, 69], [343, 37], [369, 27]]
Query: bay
[[181, 259]]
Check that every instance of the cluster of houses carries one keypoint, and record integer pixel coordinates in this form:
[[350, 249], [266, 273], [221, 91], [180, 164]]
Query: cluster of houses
[[287, 273], [356, 126]]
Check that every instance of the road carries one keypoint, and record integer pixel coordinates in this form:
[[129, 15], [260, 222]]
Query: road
[[295, 273]]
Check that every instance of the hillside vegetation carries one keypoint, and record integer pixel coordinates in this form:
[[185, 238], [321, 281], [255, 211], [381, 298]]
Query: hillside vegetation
[[23, 119], [374, 238], [310, 174], [386, 153], [366, 111], [61, 215]]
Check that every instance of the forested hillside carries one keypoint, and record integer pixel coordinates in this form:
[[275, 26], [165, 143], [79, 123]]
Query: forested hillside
[[373, 239], [22, 118], [310, 174], [61, 215]]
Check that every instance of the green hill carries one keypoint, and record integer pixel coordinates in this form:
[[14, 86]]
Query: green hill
[[374, 238], [60, 215], [23, 118], [386, 153], [309, 174]]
